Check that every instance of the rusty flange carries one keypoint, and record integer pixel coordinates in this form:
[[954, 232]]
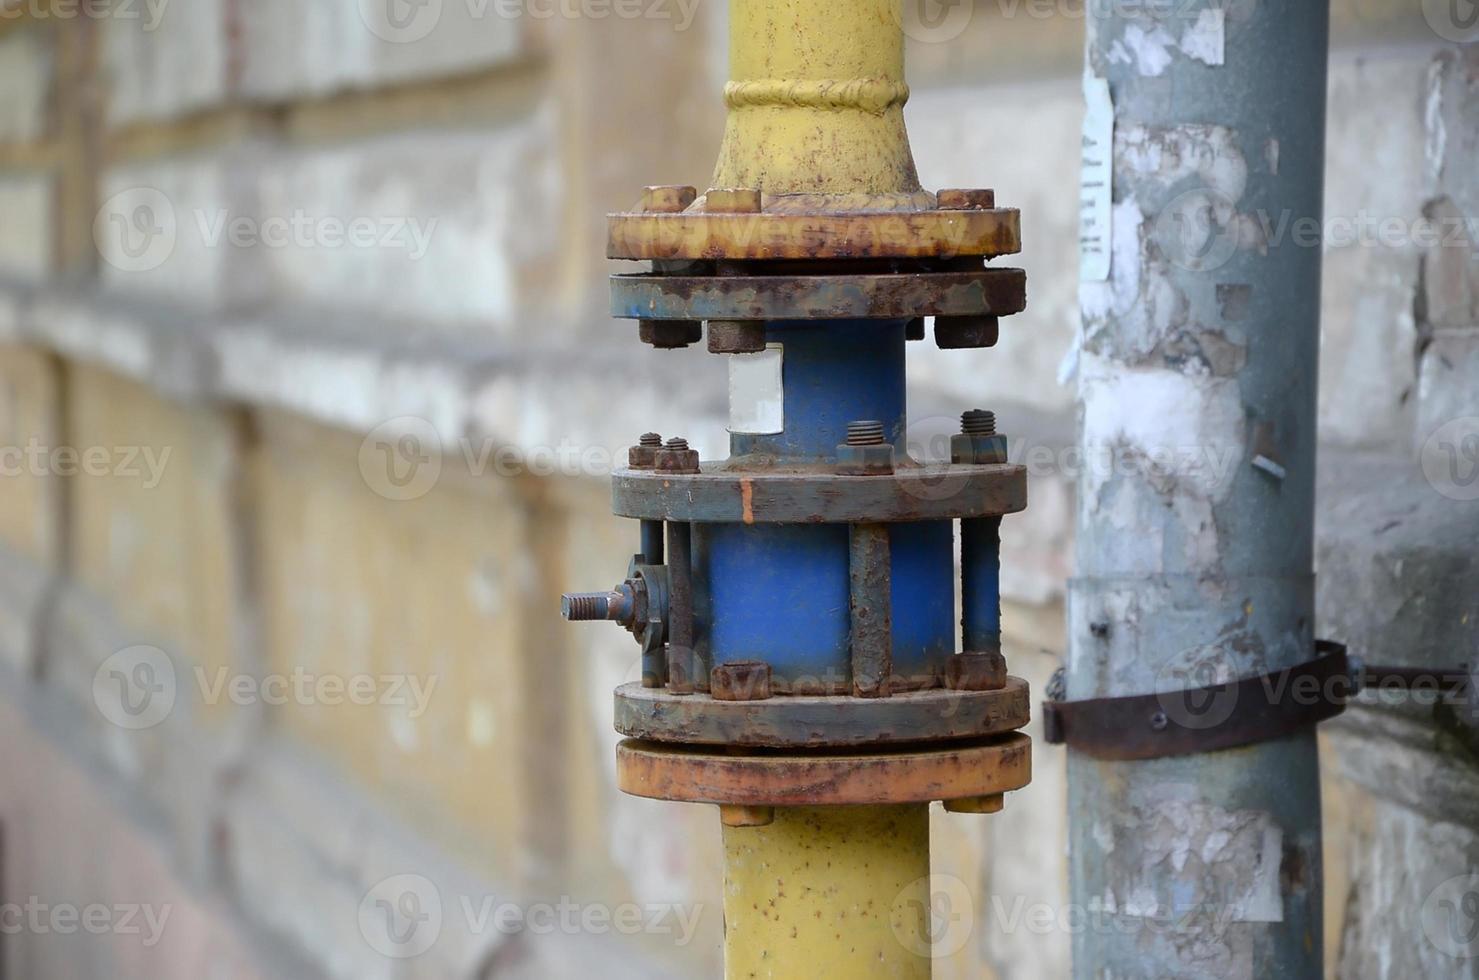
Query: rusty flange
[[952, 772], [816, 496], [819, 235], [817, 722], [980, 292]]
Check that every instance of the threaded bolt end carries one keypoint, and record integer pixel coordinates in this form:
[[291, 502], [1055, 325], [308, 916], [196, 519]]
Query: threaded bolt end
[[585, 607], [678, 444], [865, 433], [978, 423], [650, 440]]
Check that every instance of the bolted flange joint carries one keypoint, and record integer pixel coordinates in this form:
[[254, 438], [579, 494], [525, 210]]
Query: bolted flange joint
[[978, 443], [643, 456], [866, 452]]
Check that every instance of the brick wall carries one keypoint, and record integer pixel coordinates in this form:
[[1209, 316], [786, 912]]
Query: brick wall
[[248, 249]]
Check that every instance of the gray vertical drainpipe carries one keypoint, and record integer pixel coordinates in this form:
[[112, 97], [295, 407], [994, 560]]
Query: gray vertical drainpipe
[[1197, 374]]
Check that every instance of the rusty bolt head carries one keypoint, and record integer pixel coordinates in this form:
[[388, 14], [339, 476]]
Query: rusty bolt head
[[676, 457], [732, 200], [966, 332], [876, 460], [963, 199], [978, 450], [670, 334], [976, 672], [667, 198], [643, 456], [736, 336], [746, 816], [745, 680]]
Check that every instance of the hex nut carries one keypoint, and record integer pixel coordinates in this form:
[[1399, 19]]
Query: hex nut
[[670, 334], [978, 450], [978, 804], [746, 680], [732, 200], [966, 199], [976, 672], [966, 332], [876, 460], [736, 336], [667, 198], [679, 461], [746, 816]]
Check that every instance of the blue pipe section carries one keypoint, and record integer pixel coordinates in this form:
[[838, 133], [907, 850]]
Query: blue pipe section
[[835, 372], [980, 584]]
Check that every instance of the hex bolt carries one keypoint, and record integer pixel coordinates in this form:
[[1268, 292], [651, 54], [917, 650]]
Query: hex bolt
[[977, 422], [746, 816], [676, 457], [866, 452], [643, 456], [743, 680], [595, 607], [959, 199], [976, 672], [978, 804], [966, 332], [736, 336], [732, 200], [670, 334], [979, 444], [667, 198]]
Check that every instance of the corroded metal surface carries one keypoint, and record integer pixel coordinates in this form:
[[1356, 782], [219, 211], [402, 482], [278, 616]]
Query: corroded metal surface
[[690, 775], [812, 496], [871, 607], [806, 721], [998, 292], [818, 235]]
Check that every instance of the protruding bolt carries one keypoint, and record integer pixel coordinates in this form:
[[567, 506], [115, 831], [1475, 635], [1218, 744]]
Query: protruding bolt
[[595, 607], [676, 457], [865, 433], [966, 199], [866, 452], [976, 672], [670, 334], [1159, 722], [732, 200], [736, 336], [667, 198], [966, 332], [745, 680], [643, 456], [977, 422], [979, 444]]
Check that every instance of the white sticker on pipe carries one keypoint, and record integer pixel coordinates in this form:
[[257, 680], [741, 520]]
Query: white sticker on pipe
[[1096, 182], [757, 396]]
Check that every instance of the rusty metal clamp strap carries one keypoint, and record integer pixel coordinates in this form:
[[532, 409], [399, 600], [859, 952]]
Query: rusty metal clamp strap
[[1207, 719]]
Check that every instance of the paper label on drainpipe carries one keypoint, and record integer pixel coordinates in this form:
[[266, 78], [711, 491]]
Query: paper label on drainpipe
[[757, 398], [1096, 181]]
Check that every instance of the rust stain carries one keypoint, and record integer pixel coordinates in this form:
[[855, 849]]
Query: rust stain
[[747, 500]]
